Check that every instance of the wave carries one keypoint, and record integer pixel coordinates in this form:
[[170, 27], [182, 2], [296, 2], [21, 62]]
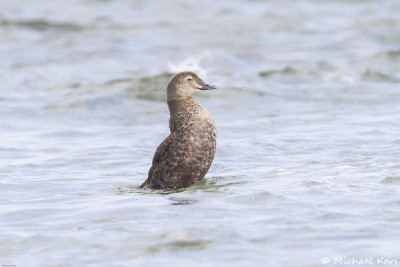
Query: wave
[[41, 25]]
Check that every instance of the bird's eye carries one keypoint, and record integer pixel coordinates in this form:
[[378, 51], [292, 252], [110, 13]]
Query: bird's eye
[[189, 79]]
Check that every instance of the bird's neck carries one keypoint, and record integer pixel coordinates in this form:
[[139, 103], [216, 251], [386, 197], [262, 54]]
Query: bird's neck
[[176, 106], [182, 113]]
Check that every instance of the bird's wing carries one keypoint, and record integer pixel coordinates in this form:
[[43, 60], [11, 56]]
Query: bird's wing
[[167, 150], [168, 159]]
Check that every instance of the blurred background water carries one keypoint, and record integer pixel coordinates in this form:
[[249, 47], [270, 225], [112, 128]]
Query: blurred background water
[[308, 117]]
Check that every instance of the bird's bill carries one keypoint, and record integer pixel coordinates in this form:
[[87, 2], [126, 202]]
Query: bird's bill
[[205, 86]]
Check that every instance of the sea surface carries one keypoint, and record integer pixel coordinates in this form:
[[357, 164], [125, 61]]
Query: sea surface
[[307, 170]]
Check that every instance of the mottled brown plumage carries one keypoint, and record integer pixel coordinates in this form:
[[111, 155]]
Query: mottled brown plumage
[[185, 156]]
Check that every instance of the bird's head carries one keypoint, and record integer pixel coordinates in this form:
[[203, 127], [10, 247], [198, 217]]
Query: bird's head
[[183, 84]]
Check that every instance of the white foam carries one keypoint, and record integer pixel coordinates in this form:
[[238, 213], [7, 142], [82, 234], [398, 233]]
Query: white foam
[[189, 64]]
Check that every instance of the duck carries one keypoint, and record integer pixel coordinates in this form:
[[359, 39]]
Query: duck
[[186, 155]]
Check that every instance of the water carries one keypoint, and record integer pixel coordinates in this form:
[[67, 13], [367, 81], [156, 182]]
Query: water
[[307, 112]]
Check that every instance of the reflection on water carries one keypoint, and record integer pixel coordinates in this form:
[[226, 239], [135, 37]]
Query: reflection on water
[[182, 201], [307, 113]]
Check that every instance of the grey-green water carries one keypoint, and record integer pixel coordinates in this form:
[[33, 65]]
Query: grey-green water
[[308, 114]]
